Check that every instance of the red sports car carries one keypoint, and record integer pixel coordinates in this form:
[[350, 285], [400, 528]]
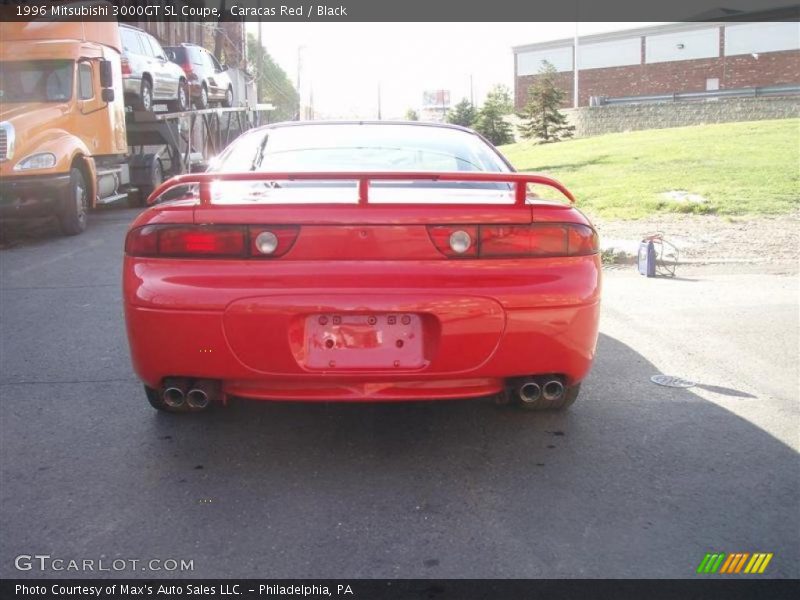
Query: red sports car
[[360, 262]]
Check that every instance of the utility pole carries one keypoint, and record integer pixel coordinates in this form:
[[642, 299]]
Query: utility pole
[[575, 69], [259, 60], [379, 102], [299, 89], [471, 91]]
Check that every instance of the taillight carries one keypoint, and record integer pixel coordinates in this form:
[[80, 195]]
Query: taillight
[[517, 241], [211, 241], [187, 68], [126, 66], [214, 241], [455, 241], [271, 242]]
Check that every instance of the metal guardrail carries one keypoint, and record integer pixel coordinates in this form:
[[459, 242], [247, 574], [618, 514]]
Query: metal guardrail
[[756, 92]]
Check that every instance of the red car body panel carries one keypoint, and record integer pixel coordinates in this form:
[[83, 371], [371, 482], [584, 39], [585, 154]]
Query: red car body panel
[[470, 324]]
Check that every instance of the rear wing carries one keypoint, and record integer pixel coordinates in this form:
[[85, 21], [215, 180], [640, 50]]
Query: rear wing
[[205, 180]]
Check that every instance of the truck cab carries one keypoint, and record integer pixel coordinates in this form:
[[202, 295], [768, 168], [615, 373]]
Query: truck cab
[[62, 120]]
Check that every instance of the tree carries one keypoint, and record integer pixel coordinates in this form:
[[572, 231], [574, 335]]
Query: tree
[[272, 83], [490, 123], [412, 115], [463, 114], [541, 117]]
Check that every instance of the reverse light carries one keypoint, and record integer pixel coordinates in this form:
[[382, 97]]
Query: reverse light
[[266, 242], [41, 160], [455, 241], [460, 241], [272, 242]]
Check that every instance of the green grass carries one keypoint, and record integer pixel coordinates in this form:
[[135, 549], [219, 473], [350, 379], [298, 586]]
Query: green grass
[[739, 168]]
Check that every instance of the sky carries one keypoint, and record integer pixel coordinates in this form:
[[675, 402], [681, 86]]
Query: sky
[[344, 64]]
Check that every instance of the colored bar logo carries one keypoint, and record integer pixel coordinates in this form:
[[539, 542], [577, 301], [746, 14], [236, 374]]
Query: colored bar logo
[[737, 562]]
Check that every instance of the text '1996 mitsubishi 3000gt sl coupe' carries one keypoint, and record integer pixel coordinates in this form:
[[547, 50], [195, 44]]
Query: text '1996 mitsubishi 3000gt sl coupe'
[[369, 261]]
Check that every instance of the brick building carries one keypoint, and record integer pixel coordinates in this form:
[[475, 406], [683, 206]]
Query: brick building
[[665, 59], [230, 34]]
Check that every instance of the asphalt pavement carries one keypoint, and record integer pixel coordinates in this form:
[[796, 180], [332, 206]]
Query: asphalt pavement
[[635, 480]]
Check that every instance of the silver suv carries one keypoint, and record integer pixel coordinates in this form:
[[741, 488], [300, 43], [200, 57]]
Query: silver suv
[[148, 76]]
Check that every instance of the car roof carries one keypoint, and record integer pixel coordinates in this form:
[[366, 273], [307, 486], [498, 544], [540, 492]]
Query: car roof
[[368, 122], [186, 45], [126, 26]]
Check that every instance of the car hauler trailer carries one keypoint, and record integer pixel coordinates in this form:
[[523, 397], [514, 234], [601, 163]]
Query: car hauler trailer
[[67, 143]]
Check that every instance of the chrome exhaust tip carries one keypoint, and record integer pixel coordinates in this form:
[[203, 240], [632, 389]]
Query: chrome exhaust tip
[[173, 396], [529, 392], [197, 398], [553, 390], [202, 393]]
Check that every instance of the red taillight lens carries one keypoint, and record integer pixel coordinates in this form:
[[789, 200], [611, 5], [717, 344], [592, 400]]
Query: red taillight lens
[[126, 66], [210, 241], [582, 240], [521, 241], [187, 68], [191, 241]]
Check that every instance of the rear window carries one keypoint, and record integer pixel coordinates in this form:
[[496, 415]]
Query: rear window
[[361, 148], [368, 147], [176, 54], [130, 41]]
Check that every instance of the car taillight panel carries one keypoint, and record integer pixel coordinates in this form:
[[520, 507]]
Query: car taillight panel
[[125, 66], [210, 241], [518, 241], [272, 242], [455, 241]]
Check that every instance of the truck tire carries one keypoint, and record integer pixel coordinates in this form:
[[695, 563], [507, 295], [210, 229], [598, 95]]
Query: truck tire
[[567, 399], [182, 102], [74, 212], [145, 101], [228, 101], [156, 179]]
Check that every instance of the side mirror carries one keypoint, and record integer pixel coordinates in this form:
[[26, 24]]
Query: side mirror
[[106, 74], [107, 94], [223, 68]]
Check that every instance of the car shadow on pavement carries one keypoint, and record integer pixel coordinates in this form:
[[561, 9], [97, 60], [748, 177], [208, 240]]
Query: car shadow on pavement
[[634, 480]]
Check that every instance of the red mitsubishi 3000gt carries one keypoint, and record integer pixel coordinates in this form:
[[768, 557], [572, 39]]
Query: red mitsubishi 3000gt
[[360, 262]]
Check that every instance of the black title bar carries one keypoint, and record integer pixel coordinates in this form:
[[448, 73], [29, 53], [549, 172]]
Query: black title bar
[[732, 588], [404, 10]]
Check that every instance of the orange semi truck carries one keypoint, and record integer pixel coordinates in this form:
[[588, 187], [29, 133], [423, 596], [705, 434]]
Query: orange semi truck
[[63, 146]]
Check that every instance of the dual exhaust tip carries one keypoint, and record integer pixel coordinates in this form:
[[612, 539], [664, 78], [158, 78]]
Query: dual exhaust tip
[[548, 388], [197, 396]]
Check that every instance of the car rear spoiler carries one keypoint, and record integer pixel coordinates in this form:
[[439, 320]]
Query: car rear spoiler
[[204, 181]]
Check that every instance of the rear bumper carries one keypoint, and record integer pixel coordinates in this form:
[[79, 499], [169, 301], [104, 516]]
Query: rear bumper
[[32, 196], [132, 86], [248, 333]]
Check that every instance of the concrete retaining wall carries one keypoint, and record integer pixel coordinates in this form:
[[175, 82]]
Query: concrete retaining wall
[[591, 121]]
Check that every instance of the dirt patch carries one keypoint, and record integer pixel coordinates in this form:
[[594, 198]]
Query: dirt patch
[[711, 238]]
